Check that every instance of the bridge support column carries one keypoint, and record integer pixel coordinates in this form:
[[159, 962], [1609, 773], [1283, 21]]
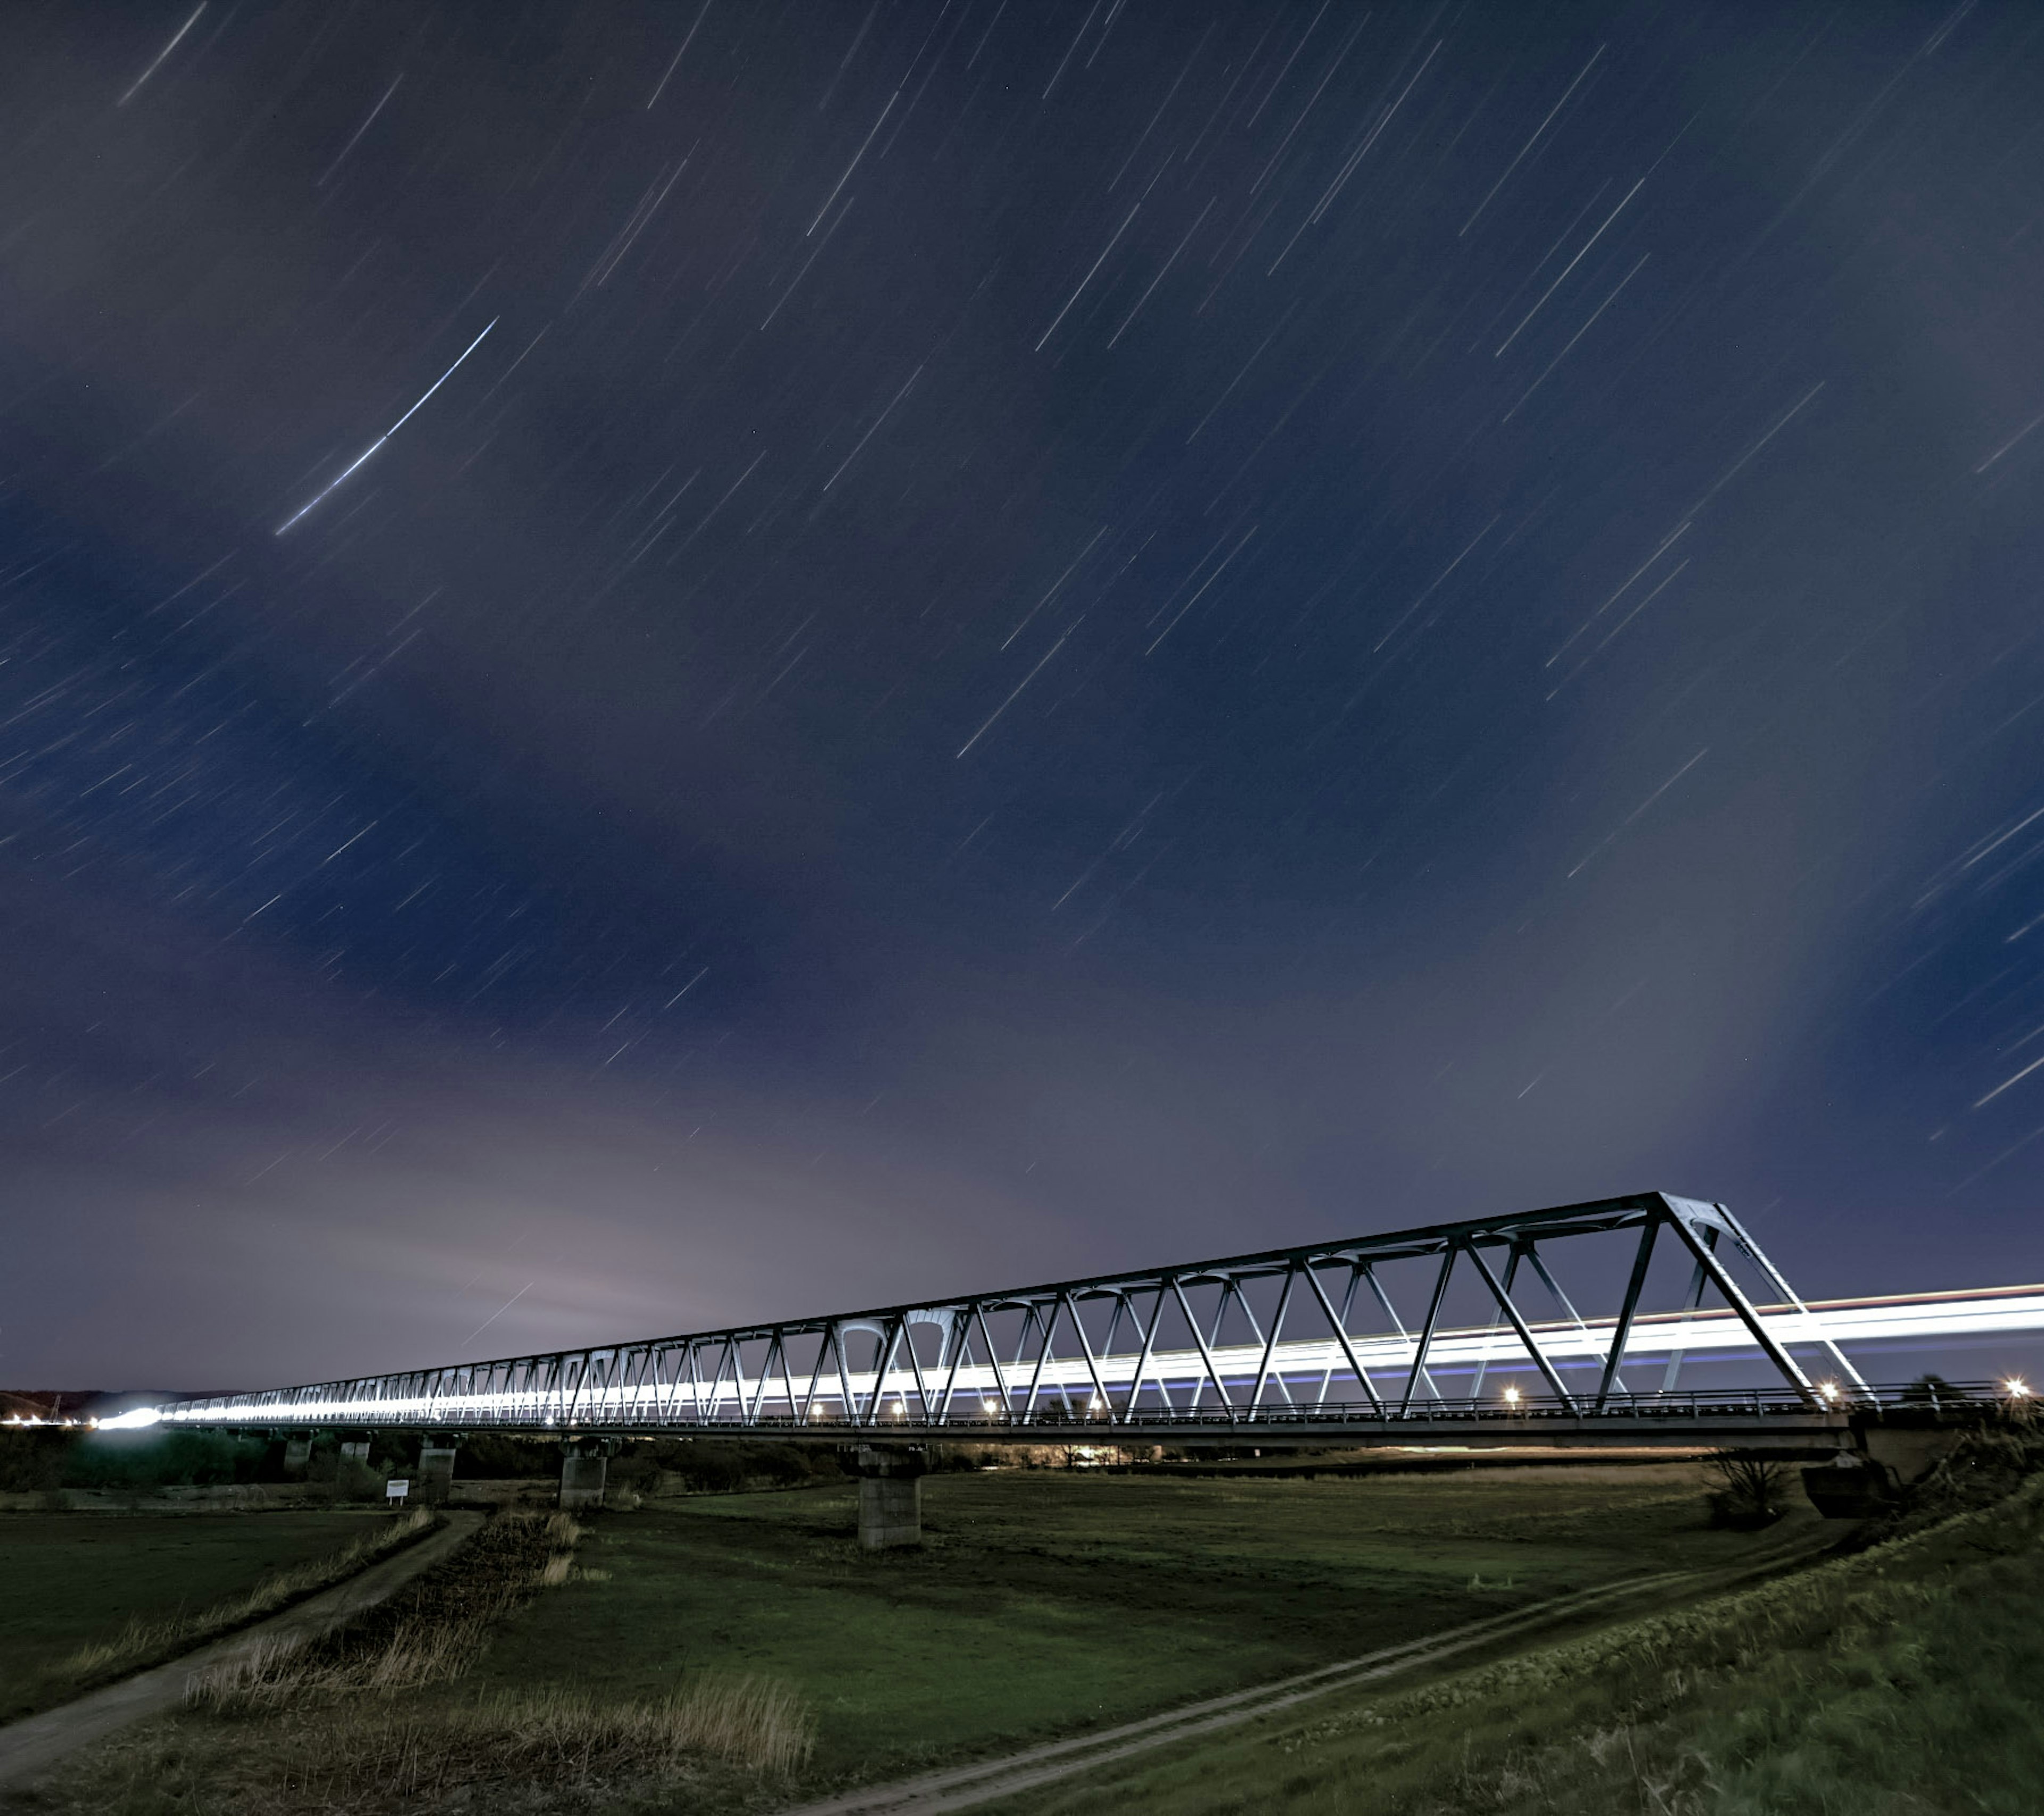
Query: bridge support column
[[584, 1466], [297, 1453], [890, 1496], [434, 1481]]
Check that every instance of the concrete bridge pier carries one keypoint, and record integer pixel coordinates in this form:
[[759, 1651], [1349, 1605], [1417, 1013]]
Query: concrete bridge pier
[[297, 1454], [585, 1467], [890, 1495], [434, 1484]]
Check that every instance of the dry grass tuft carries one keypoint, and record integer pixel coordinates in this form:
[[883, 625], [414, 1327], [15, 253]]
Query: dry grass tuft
[[423, 1638], [755, 1722]]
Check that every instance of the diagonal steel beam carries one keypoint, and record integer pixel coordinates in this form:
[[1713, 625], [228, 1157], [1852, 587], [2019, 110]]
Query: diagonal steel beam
[[1043, 1358], [1397, 1324], [1143, 1361], [1499, 1292], [994, 1359], [1622, 1334], [1341, 1333], [847, 1405], [1774, 1274], [815, 1378], [1562, 1299], [915, 1372], [1270, 1345], [1206, 1357], [1691, 1300], [766, 1374], [959, 1335], [1427, 1333], [1791, 1371], [886, 1361], [1483, 1362], [1086, 1348]]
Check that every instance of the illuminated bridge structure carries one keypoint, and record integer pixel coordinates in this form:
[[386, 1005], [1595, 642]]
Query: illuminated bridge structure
[[1291, 1347]]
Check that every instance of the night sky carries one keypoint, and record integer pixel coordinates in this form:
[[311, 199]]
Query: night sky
[[1015, 638]]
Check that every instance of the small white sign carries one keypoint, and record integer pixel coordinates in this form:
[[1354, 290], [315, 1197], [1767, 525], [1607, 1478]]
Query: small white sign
[[396, 1488]]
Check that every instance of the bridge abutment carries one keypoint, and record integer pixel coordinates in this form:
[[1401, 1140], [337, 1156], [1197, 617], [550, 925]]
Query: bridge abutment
[[584, 1470], [434, 1483], [890, 1496], [1908, 1453]]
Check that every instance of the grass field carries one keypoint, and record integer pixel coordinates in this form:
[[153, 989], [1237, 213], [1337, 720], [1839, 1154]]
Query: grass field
[[1041, 1604], [1046, 1602], [72, 1580], [1905, 1680]]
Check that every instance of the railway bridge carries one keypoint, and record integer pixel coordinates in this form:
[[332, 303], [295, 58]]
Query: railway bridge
[[1679, 1332]]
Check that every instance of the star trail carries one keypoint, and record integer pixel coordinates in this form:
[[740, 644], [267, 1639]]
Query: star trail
[[1001, 641]]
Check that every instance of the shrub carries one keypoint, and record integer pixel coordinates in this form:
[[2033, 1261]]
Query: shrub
[[1751, 1490]]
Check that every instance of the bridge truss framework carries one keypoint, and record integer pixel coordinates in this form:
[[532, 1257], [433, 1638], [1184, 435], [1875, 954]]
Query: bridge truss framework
[[1179, 1351]]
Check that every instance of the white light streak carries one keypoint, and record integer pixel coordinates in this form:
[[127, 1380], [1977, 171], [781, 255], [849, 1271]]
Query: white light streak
[[177, 38], [362, 458]]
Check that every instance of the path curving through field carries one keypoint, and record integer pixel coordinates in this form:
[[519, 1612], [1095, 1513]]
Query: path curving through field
[[960, 1787], [31, 1747]]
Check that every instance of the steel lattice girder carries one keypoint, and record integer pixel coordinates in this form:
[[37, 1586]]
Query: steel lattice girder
[[805, 1373]]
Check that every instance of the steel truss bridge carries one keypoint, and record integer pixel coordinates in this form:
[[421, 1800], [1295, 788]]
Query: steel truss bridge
[[1288, 1347]]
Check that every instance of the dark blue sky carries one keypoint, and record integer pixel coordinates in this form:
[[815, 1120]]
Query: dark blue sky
[[1035, 638]]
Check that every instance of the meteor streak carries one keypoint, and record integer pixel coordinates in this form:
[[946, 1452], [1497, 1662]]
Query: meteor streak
[[362, 459]]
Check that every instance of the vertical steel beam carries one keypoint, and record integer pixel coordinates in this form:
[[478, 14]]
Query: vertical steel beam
[[1427, 1333]]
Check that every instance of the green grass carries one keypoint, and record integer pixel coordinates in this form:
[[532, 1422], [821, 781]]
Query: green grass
[[1046, 1602], [1905, 1681], [72, 1580], [1043, 1604]]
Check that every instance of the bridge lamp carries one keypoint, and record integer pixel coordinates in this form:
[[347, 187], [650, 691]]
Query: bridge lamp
[[2018, 1390], [1511, 1396], [1829, 1390], [988, 1406]]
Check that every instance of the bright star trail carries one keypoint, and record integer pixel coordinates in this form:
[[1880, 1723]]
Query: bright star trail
[[1056, 636], [362, 460]]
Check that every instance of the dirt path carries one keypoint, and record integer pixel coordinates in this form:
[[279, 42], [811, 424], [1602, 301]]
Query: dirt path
[[959, 1787], [30, 1748]]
